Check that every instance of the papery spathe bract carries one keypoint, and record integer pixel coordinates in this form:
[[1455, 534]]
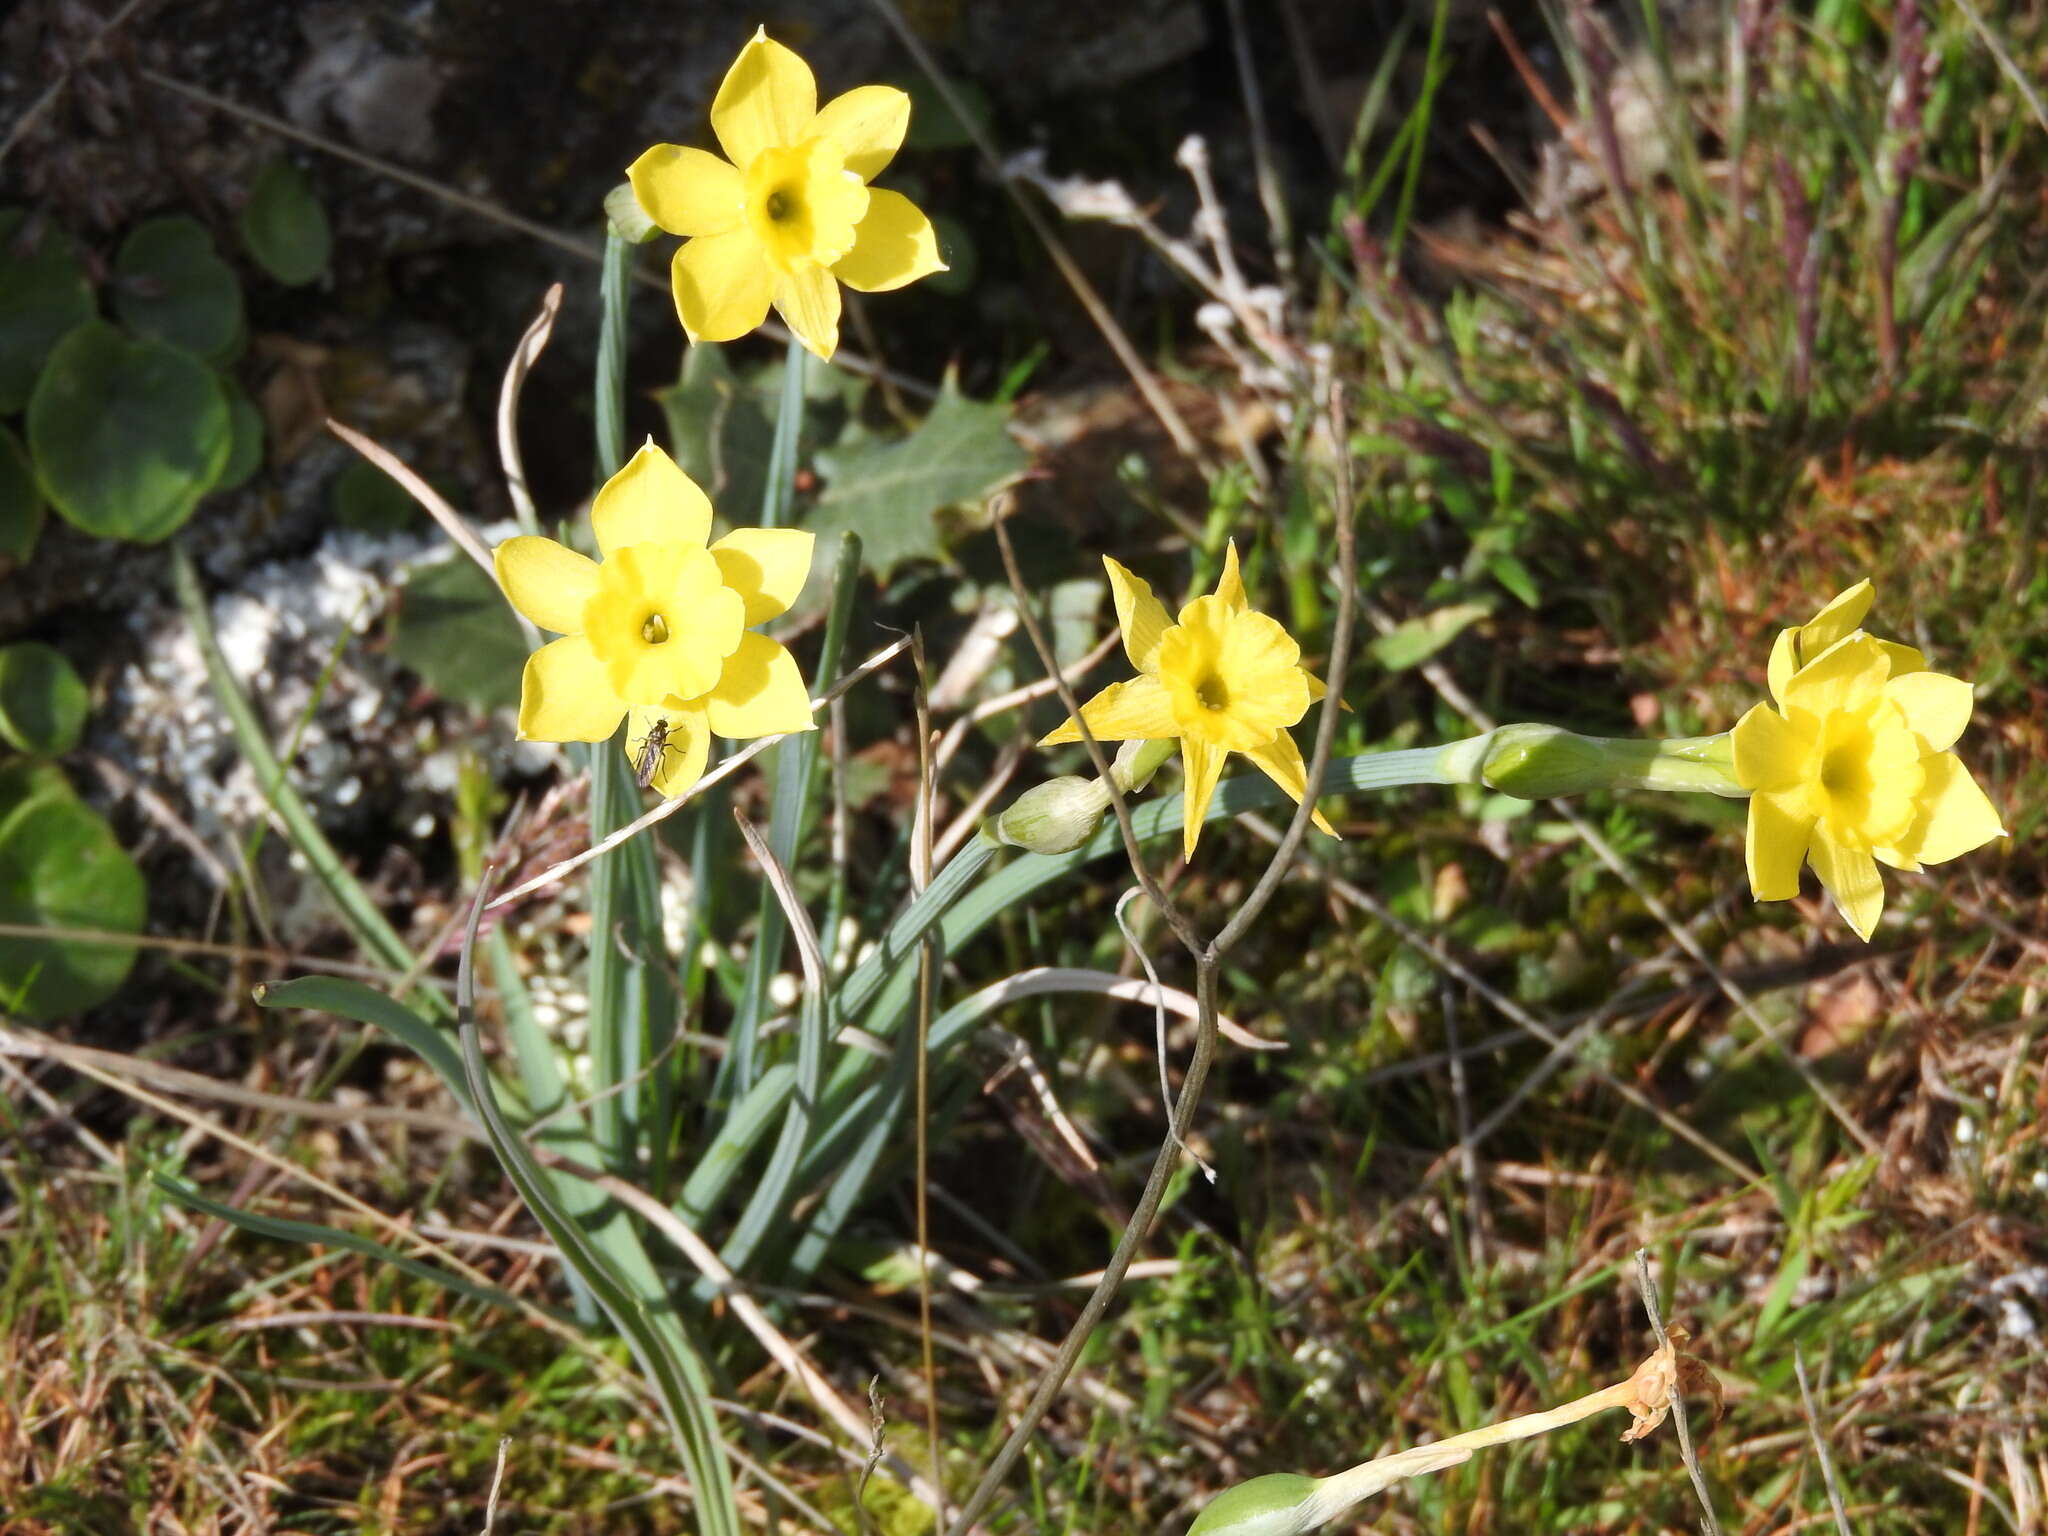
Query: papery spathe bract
[[788, 215]]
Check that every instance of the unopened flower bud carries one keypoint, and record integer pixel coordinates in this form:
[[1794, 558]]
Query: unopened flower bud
[[627, 219], [1057, 816], [1537, 762]]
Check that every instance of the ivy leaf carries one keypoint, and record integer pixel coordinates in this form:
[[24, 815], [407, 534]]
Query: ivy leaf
[[890, 492]]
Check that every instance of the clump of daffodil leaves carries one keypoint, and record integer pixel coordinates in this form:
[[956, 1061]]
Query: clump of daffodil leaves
[[788, 215], [1224, 678], [659, 631], [1852, 768]]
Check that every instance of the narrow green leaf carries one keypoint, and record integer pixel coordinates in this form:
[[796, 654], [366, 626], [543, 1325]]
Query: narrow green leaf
[[286, 1230]]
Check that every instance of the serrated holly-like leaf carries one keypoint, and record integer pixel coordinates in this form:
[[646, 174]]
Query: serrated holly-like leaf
[[890, 491]]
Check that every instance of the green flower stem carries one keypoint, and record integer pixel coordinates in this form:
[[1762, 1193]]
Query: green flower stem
[[632, 1001]]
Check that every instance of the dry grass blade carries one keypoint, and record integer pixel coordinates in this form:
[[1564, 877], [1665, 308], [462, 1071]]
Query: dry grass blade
[[38, 1047], [808, 954], [524, 356], [1042, 979], [430, 500], [497, 1485], [1820, 1444]]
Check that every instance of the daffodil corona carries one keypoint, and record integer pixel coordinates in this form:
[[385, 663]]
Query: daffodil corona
[[1223, 679], [788, 215], [659, 632], [1852, 768]]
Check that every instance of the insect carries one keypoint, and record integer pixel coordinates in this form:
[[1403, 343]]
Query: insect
[[654, 747]]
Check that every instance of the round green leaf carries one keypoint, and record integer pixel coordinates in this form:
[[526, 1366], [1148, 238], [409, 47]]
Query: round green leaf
[[42, 699], [60, 868], [44, 292], [169, 285], [284, 225], [126, 435], [21, 503], [245, 449]]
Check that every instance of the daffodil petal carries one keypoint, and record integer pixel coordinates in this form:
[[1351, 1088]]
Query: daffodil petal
[[1281, 762], [1904, 659], [1837, 620], [766, 100], [1845, 677], [1202, 765], [1936, 706], [1230, 585], [650, 501], [808, 301], [676, 761], [767, 567], [1851, 878], [1770, 753], [1784, 662], [1134, 710], [546, 581], [1955, 813], [1140, 615], [1775, 847], [760, 693], [722, 285], [868, 123], [688, 191], [893, 244], [566, 696]]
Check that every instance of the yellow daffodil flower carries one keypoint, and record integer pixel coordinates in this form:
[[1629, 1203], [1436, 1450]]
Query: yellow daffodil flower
[[1223, 679], [1852, 769], [660, 630], [788, 215]]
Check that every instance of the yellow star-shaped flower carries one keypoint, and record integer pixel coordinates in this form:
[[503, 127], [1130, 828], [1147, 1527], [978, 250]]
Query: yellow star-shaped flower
[[1852, 768], [1223, 679], [788, 215], [660, 630]]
